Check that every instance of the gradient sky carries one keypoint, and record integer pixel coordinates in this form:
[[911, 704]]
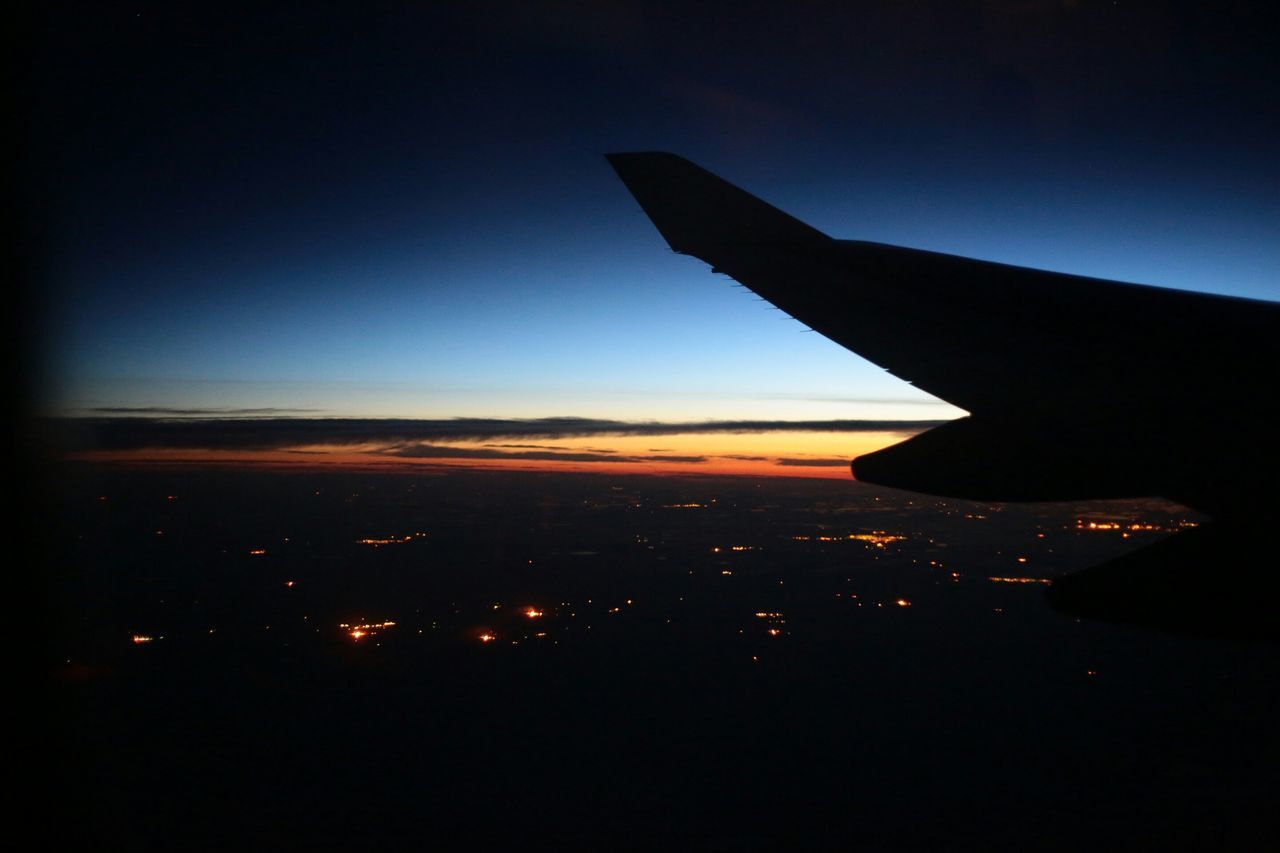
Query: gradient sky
[[401, 210]]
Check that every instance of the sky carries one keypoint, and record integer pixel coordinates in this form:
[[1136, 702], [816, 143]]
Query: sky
[[402, 210]]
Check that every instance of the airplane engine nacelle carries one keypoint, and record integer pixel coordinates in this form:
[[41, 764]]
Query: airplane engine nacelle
[[995, 460]]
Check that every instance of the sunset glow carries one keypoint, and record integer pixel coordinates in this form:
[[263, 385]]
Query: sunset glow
[[778, 454]]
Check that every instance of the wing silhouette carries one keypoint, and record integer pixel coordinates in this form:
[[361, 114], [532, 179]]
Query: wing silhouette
[[1076, 387]]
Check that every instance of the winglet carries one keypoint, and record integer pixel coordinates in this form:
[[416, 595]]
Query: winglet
[[695, 210]]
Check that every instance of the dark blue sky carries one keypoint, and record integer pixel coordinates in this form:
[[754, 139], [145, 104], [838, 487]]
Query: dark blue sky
[[402, 209]]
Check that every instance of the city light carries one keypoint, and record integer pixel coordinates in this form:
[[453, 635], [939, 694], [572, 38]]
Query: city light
[[390, 540], [365, 629]]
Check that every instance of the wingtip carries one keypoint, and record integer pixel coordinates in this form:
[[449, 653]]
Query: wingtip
[[693, 208]]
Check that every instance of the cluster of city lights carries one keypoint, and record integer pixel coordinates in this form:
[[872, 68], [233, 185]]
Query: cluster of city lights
[[773, 621], [390, 540], [1129, 526], [365, 629], [878, 538]]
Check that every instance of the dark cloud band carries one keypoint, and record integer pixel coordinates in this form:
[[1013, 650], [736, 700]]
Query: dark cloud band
[[165, 412], [438, 451], [812, 463], [246, 433]]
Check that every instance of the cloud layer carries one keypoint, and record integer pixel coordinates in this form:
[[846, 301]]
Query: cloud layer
[[401, 437]]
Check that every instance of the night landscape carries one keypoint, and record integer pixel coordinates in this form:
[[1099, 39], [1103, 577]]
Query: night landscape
[[555, 660]]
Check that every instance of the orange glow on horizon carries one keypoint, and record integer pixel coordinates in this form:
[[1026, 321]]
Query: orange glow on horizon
[[823, 455]]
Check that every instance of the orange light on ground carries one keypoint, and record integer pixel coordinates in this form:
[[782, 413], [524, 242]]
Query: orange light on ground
[[878, 538], [486, 637], [902, 602], [390, 540], [365, 629], [139, 639], [533, 613]]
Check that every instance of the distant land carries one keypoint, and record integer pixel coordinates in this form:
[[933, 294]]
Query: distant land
[[591, 661]]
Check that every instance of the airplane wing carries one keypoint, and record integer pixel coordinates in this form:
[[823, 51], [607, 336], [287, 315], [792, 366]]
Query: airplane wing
[[1077, 387]]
